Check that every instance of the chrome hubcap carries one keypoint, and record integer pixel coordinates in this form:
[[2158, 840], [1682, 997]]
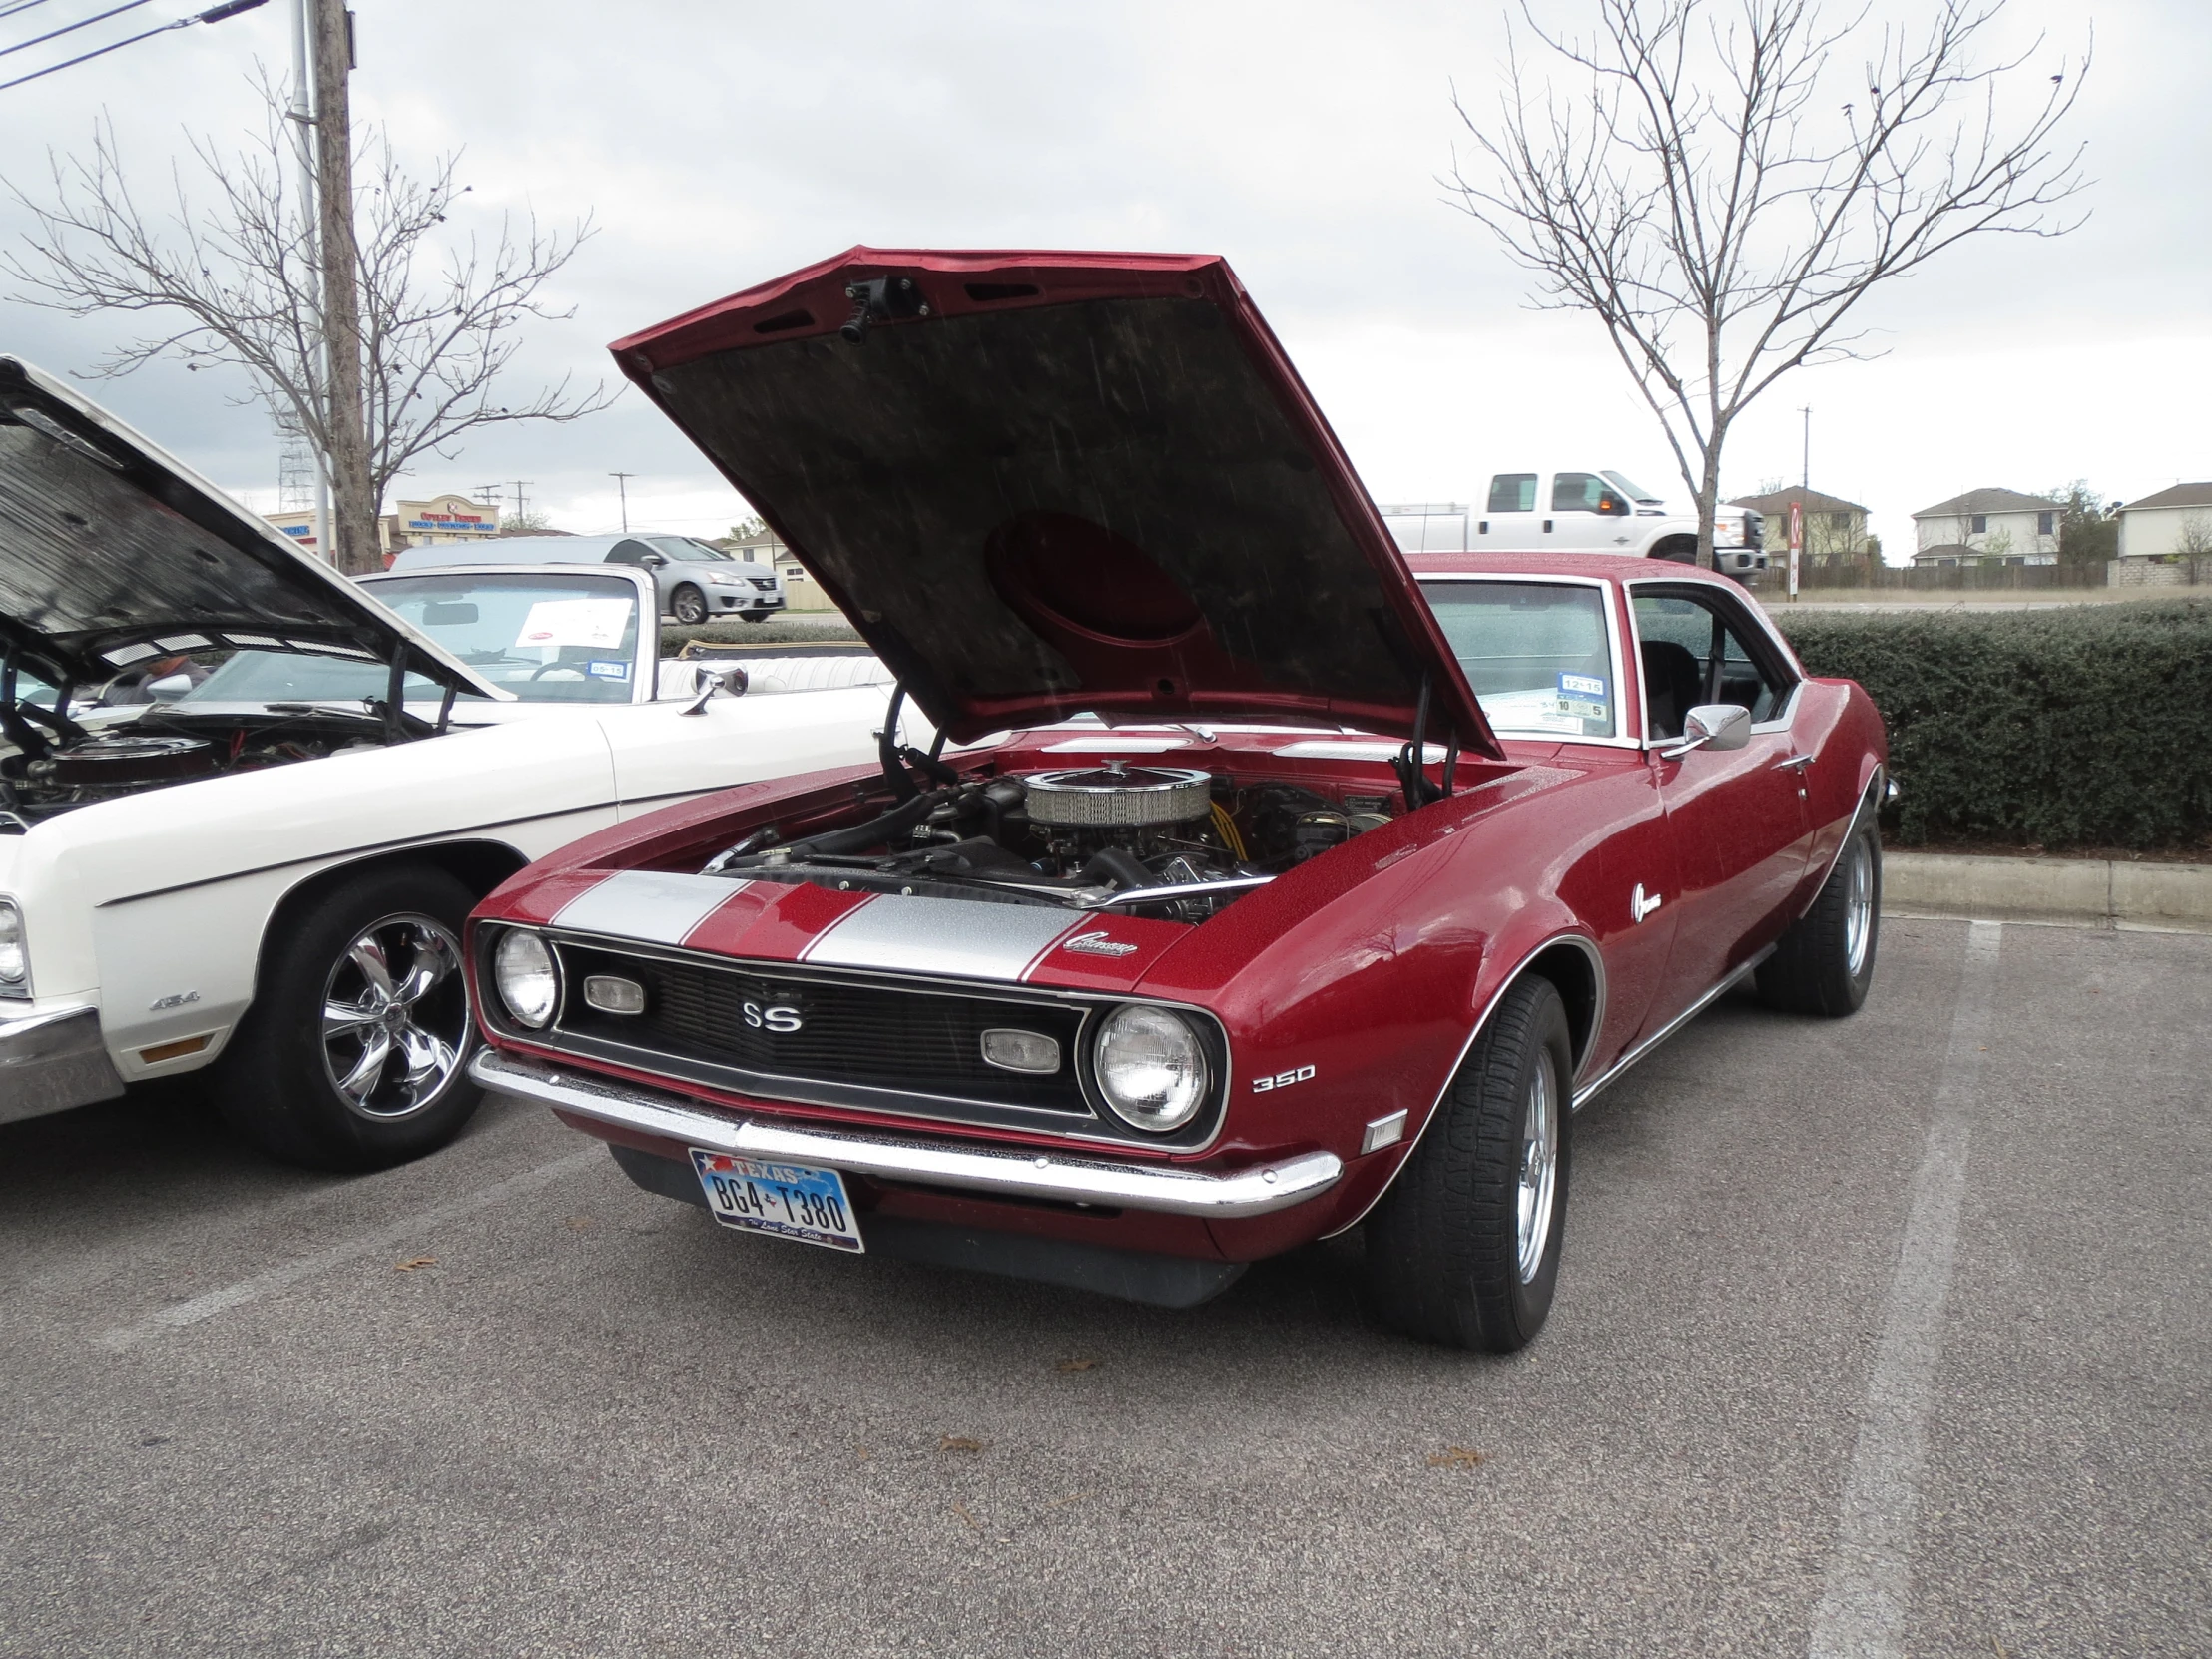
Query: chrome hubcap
[[1858, 907], [395, 1017], [1539, 1167]]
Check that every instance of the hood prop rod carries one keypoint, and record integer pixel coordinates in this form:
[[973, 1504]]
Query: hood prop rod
[[1412, 762]]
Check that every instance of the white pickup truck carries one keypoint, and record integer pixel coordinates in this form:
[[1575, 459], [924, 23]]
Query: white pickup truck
[[1576, 512]]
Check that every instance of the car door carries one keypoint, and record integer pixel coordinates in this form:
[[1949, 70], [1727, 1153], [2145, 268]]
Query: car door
[[1588, 515], [1737, 818], [1509, 520]]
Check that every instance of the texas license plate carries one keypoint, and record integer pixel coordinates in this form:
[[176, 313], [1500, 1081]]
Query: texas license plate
[[790, 1201]]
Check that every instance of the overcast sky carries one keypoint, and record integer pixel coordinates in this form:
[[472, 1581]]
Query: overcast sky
[[718, 143]]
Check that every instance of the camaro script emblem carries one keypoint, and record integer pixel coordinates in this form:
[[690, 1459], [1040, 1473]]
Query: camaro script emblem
[[1097, 944]]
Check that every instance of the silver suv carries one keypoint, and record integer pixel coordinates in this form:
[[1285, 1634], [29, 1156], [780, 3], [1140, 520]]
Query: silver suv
[[694, 581]]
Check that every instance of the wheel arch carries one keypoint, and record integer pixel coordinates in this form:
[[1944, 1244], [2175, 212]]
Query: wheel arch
[[478, 865], [1680, 549], [1575, 967]]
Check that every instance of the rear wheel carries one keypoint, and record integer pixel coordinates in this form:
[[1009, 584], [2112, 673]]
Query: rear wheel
[[354, 1054], [1825, 963], [754, 616], [688, 606], [1465, 1248]]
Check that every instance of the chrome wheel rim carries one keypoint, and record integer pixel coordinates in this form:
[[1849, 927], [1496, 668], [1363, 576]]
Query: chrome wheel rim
[[1539, 1168], [690, 608], [395, 1017], [1858, 907]]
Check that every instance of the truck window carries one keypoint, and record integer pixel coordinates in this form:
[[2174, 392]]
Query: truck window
[[1577, 492], [1514, 492]]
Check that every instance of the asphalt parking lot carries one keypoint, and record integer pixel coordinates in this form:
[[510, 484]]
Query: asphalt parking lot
[[1888, 1335]]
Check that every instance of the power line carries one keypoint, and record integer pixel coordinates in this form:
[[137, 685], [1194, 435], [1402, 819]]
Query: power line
[[72, 28], [19, 6], [213, 14]]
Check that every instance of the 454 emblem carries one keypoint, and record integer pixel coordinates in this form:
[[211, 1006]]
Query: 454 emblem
[[1282, 1080]]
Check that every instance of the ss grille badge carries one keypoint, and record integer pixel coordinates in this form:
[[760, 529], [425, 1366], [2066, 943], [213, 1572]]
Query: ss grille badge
[[771, 1016]]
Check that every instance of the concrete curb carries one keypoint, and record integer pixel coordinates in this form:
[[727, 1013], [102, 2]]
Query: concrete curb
[[2080, 893]]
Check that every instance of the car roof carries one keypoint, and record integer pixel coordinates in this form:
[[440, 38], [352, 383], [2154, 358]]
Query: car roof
[[511, 550], [1612, 567]]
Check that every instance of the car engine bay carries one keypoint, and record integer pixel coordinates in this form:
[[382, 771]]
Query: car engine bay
[[57, 764], [1166, 841]]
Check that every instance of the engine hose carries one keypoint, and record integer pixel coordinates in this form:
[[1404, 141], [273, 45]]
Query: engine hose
[[858, 837], [1119, 867]]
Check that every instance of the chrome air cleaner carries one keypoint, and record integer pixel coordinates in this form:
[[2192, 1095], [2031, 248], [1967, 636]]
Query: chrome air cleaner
[[1117, 797]]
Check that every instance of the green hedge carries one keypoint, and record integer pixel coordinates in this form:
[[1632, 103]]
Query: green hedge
[[2074, 726]]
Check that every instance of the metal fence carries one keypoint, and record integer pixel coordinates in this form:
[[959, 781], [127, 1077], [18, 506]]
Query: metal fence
[[1950, 579]]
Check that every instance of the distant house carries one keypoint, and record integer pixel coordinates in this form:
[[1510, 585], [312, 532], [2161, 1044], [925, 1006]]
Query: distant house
[[1988, 527], [1835, 529], [2175, 521]]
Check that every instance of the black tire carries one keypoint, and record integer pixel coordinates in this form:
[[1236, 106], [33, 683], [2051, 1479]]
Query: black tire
[[1446, 1258], [754, 616], [1682, 550], [1825, 962], [688, 606], [278, 1082]]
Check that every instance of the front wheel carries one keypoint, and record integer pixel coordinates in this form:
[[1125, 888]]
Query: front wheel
[[1825, 963], [754, 616], [355, 1054], [688, 606], [1465, 1248]]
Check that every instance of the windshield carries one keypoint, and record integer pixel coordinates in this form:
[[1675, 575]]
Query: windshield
[[547, 639], [1635, 492], [1537, 654]]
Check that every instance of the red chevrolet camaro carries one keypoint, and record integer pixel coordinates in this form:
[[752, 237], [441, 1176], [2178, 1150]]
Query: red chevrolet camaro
[[1257, 886]]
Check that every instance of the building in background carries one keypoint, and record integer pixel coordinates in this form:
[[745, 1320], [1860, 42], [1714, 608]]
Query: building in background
[[1836, 536], [2174, 523], [444, 518], [801, 590], [1987, 527]]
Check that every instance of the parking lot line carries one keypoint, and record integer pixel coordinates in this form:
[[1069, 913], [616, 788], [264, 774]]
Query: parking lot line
[[241, 1292], [1867, 1589]]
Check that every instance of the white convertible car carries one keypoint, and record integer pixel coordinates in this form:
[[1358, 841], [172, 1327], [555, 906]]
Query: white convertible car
[[265, 868]]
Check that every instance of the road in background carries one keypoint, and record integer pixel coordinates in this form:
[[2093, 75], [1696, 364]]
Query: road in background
[[500, 1401]]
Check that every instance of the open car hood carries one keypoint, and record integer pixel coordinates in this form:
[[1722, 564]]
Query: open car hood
[[112, 550], [1043, 484]]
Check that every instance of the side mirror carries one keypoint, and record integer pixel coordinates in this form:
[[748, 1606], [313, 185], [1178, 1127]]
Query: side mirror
[[1612, 506], [1715, 726], [652, 561], [169, 689], [709, 678]]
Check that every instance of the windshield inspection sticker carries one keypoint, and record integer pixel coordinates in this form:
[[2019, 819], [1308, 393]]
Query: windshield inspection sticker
[[1582, 696], [595, 623], [608, 671]]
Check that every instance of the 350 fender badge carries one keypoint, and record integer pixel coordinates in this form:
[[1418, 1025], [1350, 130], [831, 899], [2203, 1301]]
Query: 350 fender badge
[[175, 1000], [1282, 1080], [1097, 944]]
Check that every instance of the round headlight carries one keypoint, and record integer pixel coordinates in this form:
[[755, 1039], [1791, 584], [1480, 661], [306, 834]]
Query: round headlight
[[528, 983], [15, 957], [1151, 1068]]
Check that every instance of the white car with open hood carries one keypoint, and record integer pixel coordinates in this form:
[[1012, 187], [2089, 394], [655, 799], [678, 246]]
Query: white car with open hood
[[265, 868]]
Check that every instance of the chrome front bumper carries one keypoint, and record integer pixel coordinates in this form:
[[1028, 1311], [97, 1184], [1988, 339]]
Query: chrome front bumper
[[1161, 1188], [52, 1061]]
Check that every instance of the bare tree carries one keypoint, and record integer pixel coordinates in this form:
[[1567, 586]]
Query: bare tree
[[1722, 200], [2193, 546], [237, 275]]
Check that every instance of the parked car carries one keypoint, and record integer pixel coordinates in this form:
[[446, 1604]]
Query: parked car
[[265, 868], [1596, 510], [694, 581], [1280, 893]]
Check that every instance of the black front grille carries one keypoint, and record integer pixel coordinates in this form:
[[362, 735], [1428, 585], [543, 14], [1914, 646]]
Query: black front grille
[[914, 1041]]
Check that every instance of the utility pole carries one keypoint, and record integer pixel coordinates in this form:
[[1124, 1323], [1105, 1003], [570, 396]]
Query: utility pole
[[622, 488], [521, 503], [354, 545], [1805, 479], [301, 116]]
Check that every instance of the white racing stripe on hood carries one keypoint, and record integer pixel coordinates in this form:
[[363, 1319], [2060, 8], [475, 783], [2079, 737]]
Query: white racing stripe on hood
[[953, 936], [658, 907]]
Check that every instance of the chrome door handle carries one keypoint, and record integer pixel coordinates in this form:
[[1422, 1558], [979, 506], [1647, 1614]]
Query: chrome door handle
[[1640, 907], [1798, 761]]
